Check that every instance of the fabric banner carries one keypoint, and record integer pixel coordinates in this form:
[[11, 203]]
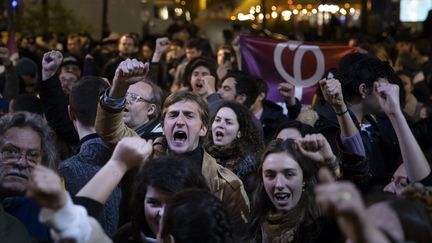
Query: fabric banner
[[302, 64]]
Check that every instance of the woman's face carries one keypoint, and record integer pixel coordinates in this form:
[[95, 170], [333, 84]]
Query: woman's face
[[197, 82], [225, 127], [154, 204], [283, 180]]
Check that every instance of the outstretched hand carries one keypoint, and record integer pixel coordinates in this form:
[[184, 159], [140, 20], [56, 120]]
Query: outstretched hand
[[45, 188], [51, 61], [128, 72], [131, 152], [316, 148], [388, 97]]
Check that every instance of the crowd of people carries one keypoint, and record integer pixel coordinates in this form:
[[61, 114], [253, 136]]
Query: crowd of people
[[138, 141]]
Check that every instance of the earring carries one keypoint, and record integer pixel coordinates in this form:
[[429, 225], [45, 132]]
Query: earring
[[303, 186]]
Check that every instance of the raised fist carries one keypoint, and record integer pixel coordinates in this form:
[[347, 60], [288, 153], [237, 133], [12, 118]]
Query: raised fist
[[45, 188], [332, 92], [132, 151], [51, 61], [128, 72], [287, 90]]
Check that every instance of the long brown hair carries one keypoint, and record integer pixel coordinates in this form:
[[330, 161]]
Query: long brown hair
[[261, 204], [250, 140]]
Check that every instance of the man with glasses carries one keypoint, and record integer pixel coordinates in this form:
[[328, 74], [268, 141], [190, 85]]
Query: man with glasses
[[137, 105], [185, 121], [25, 141]]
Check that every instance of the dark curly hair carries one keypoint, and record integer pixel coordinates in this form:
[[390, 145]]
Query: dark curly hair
[[169, 174], [250, 140], [195, 216], [261, 204]]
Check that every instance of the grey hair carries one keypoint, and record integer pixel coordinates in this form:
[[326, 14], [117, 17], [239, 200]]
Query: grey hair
[[156, 97], [34, 121]]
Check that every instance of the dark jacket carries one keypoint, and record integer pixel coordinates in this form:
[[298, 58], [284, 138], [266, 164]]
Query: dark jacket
[[379, 140], [11, 230], [271, 117], [80, 168], [55, 107]]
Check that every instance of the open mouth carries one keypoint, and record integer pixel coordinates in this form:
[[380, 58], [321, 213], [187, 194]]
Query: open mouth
[[125, 110], [199, 86], [282, 196], [219, 134], [180, 136]]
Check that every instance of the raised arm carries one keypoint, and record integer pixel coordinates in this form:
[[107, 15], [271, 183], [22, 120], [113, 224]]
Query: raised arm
[[293, 105], [129, 153], [109, 119], [415, 162], [54, 101], [316, 148], [332, 92], [162, 45]]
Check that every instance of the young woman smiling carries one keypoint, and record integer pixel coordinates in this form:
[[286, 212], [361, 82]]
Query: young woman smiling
[[284, 206]]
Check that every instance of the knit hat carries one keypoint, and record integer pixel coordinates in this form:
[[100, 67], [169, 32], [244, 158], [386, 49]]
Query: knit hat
[[26, 66], [71, 60]]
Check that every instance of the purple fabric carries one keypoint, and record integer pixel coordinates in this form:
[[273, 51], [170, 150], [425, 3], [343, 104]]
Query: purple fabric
[[300, 63], [354, 144]]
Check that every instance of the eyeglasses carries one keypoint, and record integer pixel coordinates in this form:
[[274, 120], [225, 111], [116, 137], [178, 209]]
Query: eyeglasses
[[14, 154], [136, 98]]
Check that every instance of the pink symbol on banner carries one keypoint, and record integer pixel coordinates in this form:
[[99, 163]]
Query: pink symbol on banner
[[300, 50]]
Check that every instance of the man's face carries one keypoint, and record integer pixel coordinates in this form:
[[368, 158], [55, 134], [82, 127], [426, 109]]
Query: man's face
[[183, 126], [192, 53], [68, 80], [74, 46], [126, 46], [228, 90], [21, 151], [174, 51], [138, 108], [370, 103], [197, 80]]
